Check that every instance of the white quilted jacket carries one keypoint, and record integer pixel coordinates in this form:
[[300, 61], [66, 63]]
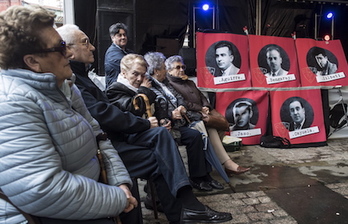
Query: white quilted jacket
[[48, 166]]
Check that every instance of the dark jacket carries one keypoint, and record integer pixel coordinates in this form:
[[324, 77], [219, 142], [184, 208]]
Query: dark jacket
[[164, 106], [194, 98], [122, 97], [115, 122], [112, 61], [306, 124]]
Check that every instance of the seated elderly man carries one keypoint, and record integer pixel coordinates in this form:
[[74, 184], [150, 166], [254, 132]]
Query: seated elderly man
[[147, 151], [48, 146]]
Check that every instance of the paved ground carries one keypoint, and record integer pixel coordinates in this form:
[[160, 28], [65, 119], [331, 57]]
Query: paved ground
[[285, 186]]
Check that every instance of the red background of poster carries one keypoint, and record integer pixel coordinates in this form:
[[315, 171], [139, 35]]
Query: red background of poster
[[206, 43], [313, 97], [308, 78], [225, 99], [257, 47]]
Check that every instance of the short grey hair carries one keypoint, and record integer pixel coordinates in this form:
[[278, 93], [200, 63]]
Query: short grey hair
[[155, 60], [67, 32], [171, 60]]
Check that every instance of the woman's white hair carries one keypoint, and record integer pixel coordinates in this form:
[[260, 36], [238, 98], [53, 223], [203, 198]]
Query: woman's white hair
[[67, 32]]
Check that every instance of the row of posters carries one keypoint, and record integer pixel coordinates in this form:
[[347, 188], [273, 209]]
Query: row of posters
[[229, 61], [295, 114]]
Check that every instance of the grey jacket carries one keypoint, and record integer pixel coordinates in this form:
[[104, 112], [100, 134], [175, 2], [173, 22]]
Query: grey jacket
[[48, 165]]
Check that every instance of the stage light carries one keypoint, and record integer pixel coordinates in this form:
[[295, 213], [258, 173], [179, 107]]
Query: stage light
[[205, 7], [327, 37], [329, 15]]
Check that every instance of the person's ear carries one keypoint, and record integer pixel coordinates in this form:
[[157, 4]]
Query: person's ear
[[32, 63], [70, 47], [72, 57]]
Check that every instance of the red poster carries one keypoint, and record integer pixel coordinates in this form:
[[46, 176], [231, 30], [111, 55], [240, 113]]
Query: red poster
[[321, 63], [222, 61], [298, 116], [273, 62], [247, 113]]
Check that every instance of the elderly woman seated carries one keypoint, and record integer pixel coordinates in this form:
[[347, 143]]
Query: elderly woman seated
[[198, 104]]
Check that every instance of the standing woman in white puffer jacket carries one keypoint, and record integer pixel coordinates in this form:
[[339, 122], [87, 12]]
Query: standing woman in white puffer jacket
[[48, 164]]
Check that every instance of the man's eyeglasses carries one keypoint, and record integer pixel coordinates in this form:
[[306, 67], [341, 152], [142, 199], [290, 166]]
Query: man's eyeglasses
[[178, 67], [86, 42], [61, 49]]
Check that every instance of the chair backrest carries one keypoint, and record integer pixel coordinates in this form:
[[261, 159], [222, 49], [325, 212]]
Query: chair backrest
[[31, 219]]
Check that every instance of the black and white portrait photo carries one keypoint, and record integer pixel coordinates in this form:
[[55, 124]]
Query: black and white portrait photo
[[242, 114], [273, 61], [322, 62], [224, 59], [296, 113]]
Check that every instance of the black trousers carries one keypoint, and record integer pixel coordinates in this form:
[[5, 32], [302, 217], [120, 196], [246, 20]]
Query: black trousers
[[197, 164], [153, 154]]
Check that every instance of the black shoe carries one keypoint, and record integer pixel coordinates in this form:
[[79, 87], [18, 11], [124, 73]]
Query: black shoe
[[206, 216], [215, 184], [148, 204], [202, 186]]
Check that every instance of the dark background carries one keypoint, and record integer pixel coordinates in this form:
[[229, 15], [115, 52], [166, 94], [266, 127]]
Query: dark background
[[160, 25]]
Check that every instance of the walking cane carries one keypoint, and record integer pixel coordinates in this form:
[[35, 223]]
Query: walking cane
[[103, 175], [147, 103]]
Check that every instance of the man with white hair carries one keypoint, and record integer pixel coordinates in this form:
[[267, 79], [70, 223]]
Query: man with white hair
[[148, 151]]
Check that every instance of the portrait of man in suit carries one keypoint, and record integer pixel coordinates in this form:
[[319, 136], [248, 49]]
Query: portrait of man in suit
[[224, 57], [274, 61], [299, 114], [325, 67]]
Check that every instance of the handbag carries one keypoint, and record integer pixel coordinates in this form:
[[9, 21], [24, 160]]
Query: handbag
[[270, 141], [215, 120]]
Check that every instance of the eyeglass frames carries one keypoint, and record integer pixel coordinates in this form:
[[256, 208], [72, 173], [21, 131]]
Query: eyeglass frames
[[86, 42], [178, 67], [61, 49]]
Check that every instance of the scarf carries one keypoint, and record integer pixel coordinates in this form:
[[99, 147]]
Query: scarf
[[125, 82], [169, 95]]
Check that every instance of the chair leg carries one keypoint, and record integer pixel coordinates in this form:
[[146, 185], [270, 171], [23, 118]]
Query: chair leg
[[136, 215], [153, 197]]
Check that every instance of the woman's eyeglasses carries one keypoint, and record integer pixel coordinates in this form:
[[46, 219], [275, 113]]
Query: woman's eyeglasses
[[178, 67], [61, 49]]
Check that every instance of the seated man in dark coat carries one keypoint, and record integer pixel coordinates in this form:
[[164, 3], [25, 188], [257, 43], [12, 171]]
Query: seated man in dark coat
[[148, 151]]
